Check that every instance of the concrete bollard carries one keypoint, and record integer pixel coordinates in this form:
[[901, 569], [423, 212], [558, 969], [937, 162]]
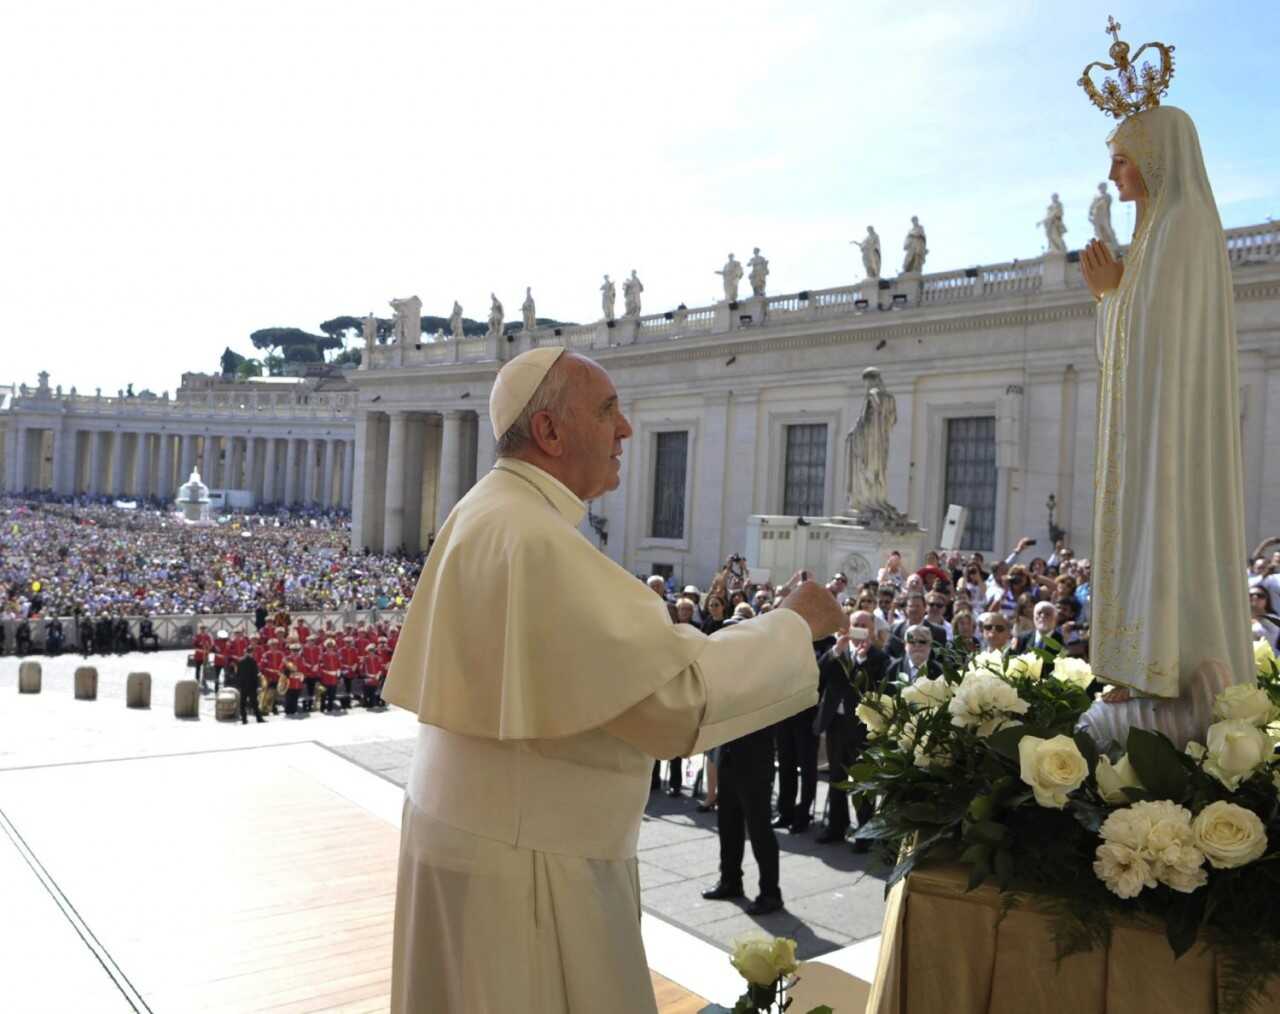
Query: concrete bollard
[[137, 690], [227, 705], [186, 699], [86, 683], [29, 678]]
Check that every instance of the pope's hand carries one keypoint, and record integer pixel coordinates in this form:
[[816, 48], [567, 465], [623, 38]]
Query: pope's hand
[[1102, 272], [817, 607]]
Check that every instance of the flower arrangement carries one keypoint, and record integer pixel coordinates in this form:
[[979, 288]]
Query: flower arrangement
[[984, 765], [769, 965]]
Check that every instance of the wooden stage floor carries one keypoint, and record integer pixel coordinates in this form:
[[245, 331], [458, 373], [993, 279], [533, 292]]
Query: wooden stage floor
[[237, 881]]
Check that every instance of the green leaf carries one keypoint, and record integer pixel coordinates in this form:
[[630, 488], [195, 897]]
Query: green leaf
[[1185, 914], [981, 806], [987, 832], [977, 876], [1004, 868], [877, 827], [1005, 741], [1158, 764], [976, 855], [1088, 749]]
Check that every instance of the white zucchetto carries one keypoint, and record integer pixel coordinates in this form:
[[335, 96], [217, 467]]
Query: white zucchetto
[[515, 384]]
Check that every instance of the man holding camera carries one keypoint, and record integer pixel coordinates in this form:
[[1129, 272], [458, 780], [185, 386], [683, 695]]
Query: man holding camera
[[853, 667]]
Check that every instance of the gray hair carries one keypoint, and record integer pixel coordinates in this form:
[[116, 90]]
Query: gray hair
[[917, 629], [551, 395]]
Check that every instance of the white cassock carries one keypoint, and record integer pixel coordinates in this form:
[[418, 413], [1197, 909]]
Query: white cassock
[[547, 679], [1170, 616]]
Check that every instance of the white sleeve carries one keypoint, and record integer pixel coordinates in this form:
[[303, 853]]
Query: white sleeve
[[752, 674]]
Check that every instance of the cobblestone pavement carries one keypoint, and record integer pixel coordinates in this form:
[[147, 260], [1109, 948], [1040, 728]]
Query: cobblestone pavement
[[833, 896]]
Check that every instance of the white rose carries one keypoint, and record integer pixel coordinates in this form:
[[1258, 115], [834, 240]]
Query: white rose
[[987, 661], [1075, 671], [984, 702], [924, 692], [1194, 750], [763, 960], [1264, 659], [1114, 778], [1234, 749], [1246, 701], [1171, 848], [924, 751], [1029, 665], [874, 712], [1229, 835], [1123, 869], [1052, 767]]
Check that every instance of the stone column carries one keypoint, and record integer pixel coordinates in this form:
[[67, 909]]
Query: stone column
[[447, 490], [209, 461], [348, 471], [251, 465], [11, 458], [142, 465], [326, 489], [485, 444], [290, 470], [20, 465], [270, 472], [167, 488], [235, 464], [393, 512], [188, 459], [117, 464], [64, 452], [93, 483]]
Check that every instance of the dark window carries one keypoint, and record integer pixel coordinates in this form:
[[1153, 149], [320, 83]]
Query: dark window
[[971, 477], [805, 482], [671, 455]]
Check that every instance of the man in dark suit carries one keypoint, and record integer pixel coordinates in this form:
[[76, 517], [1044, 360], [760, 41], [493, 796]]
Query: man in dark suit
[[846, 735], [915, 612], [1046, 621], [797, 744], [746, 783], [247, 683], [917, 661]]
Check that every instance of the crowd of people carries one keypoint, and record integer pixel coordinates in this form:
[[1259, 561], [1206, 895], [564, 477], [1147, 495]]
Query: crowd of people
[[86, 560]]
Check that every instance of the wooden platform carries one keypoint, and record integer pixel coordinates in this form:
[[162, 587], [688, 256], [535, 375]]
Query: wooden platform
[[232, 882]]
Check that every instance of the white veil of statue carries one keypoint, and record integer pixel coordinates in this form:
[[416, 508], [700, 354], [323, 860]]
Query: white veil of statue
[[1170, 617]]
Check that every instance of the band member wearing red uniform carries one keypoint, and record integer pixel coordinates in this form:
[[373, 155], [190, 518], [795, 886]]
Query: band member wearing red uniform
[[202, 649], [373, 669], [221, 657], [310, 678], [330, 669], [271, 665], [294, 680]]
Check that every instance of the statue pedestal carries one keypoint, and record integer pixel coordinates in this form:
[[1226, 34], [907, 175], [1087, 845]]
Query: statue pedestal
[[1054, 274], [911, 285], [782, 545]]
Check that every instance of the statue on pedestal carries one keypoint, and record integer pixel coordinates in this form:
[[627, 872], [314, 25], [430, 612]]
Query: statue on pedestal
[[495, 317], [867, 458], [608, 297], [731, 273], [916, 247], [1100, 219], [870, 248], [1054, 227], [528, 311], [759, 272], [455, 321], [631, 289], [369, 328], [408, 322]]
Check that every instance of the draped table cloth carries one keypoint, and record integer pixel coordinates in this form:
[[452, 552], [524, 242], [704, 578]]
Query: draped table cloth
[[945, 949]]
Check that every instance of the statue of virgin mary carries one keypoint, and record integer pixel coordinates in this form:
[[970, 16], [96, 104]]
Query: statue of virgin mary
[[1170, 619]]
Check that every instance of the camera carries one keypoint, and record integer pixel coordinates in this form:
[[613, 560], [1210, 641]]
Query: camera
[[858, 634]]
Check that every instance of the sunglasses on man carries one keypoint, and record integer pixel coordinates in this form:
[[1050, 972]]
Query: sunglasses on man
[[994, 626]]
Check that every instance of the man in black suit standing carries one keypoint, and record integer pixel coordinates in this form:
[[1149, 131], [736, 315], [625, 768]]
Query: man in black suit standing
[[846, 735], [247, 683], [915, 614], [917, 661]]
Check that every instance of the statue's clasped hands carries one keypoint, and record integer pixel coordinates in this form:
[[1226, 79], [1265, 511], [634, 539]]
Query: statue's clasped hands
[[1102, 272]]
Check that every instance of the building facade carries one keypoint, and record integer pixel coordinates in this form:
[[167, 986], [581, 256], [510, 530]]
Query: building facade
[[742, 407], [288, 441]]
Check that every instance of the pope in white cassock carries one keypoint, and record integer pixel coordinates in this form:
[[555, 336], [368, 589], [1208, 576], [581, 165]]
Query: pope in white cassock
[[546, 679]]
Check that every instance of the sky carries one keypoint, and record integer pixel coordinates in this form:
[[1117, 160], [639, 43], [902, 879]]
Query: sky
[[180, 174]]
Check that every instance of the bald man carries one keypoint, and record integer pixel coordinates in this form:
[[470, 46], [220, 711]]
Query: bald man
[[518, 885]]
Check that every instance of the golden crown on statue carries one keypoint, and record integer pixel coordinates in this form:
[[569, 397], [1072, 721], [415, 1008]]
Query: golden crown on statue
[[1134, 88]]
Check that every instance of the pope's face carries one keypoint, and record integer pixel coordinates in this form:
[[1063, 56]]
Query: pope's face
[[594, 432]]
